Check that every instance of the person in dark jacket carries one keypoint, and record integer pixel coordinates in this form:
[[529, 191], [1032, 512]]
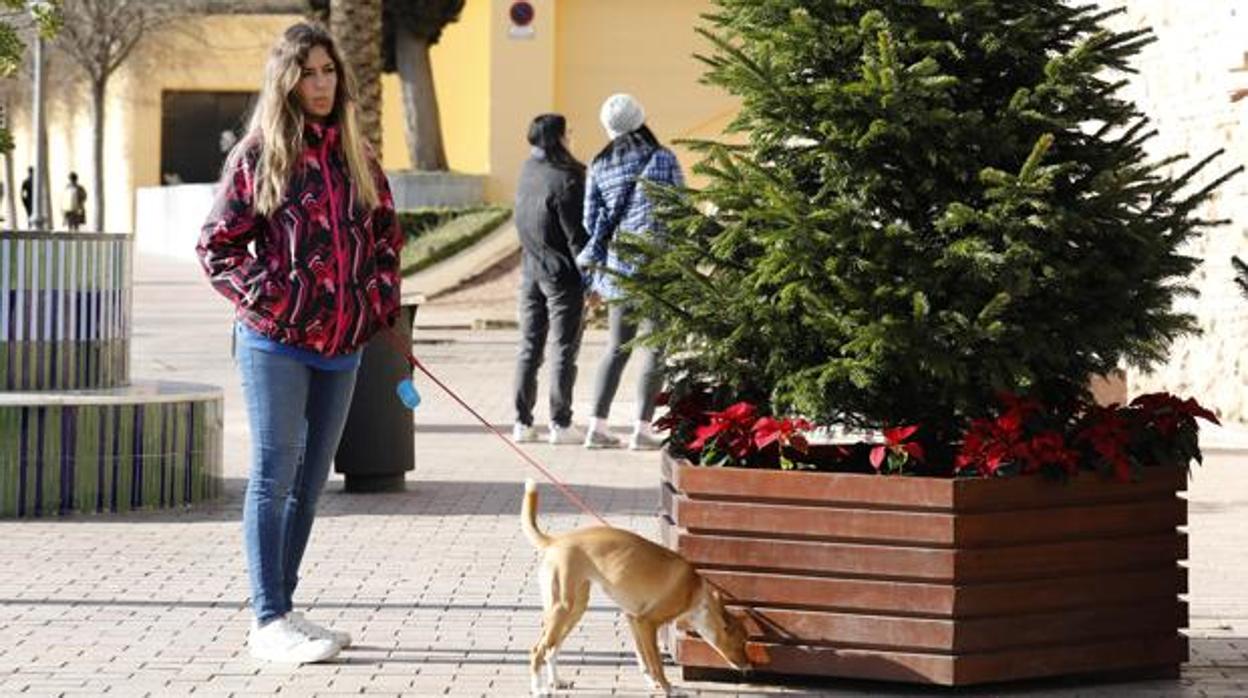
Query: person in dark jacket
[[549, 198], [304, 241], [28, 186]]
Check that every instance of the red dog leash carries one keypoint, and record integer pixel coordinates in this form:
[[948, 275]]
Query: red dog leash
[[396, 342]]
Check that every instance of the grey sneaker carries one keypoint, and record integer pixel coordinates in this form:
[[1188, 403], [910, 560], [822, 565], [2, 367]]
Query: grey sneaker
[[645, 441], [600, 439], [565, 435], [523, 433]]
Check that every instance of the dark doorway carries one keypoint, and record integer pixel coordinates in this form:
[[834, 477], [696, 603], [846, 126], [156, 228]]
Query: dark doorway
[[193, 133]]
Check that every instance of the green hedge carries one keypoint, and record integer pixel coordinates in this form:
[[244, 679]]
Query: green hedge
[[433, 234]]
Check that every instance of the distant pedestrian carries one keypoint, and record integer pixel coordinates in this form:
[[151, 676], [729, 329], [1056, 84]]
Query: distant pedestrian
[[615, 201], [75, 204], [27, 194], [304, 241], [549, 200]]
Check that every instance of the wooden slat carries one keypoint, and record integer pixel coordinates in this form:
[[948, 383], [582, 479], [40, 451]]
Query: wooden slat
[[1163, 652], [1019, 493], [1156, 516], [968, 566], [962, 636], [816, 556], [962, 495], [1167, 650], [909, 667], [1051, 560], [945, 600], [1087, 624], [817, 488], [864, 595], [1037, 595], [925, 528], [846, 524]]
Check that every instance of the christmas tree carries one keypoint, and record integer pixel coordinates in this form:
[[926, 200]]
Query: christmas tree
[[933, 201]]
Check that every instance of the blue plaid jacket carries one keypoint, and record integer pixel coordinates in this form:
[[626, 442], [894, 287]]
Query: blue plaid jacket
[[608, 184]]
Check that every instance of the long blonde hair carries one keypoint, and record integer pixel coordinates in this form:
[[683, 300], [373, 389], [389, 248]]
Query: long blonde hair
[[277, 122]]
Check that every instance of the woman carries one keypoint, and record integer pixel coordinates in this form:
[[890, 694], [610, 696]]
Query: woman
[[615, 201], [549, 197], [306, 191]]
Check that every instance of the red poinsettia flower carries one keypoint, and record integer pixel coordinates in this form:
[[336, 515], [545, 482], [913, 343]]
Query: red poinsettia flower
[[730, 428], [987, 444], [1044, 449], [688, 410], [786, 432], [895, 442], [1108, 433], [1167, 413]]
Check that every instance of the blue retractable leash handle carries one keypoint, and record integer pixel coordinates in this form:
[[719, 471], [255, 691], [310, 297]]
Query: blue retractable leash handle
[[407, 393], [406, 389]]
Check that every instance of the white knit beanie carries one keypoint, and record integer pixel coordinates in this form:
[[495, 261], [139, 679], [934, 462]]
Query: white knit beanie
[[621, 114]]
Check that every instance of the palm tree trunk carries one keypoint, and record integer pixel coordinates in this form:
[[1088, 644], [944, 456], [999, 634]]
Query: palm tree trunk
[[98, 89], [420, 102], [356, 24]]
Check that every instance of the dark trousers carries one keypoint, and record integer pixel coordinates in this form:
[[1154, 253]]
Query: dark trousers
[[623, 328], [554, 309]]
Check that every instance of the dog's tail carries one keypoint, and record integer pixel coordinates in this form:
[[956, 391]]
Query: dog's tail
[[528, 516]]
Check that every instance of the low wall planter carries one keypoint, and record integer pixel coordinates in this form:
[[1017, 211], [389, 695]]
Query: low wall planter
[[934, 581]]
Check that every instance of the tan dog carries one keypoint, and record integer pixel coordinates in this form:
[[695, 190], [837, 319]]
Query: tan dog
[[651, 584]]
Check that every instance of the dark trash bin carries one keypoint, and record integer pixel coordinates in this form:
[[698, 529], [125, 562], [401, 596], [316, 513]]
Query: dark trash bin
[[376, 450]]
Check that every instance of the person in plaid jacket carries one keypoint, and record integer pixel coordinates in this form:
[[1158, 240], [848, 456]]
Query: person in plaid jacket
[[614, 201]]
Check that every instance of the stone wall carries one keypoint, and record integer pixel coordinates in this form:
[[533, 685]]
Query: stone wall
[[1183, 86]]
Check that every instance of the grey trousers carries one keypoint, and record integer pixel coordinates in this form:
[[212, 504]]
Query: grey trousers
[[555, 309], [623, 328]]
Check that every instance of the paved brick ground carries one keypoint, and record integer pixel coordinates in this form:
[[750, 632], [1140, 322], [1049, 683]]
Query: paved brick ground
[[436, 582]]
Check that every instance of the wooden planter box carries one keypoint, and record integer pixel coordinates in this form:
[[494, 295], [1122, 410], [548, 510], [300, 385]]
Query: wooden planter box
[[951, 582]]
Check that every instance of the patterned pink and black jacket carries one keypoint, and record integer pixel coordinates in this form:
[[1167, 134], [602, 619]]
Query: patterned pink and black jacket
[[325, 272]]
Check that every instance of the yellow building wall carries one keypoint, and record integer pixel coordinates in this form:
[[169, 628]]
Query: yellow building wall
[[490, 85], [644, 48], [461, 77], [522, 85], [218, 53]]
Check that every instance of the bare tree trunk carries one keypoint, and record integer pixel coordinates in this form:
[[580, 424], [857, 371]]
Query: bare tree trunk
[[356, 24], [420, 102], [98, 88], [49, 216], [10, 189]]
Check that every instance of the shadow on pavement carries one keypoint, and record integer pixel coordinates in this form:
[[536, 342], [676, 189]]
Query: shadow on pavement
[[445, 498]]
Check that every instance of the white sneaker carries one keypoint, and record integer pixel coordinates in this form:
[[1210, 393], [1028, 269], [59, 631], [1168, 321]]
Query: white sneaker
[[565, 435], [281, 641], [600, 439], [319, 632], [523, 433], [645, 441]]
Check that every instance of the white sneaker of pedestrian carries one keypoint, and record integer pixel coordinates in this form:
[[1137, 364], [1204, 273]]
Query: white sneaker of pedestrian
[[319, 632], [565, 435], [281, 641], [523, 433], [600, 439], [645, 441]]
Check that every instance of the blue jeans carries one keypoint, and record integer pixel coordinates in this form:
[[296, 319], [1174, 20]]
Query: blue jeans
[[296, 414]]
